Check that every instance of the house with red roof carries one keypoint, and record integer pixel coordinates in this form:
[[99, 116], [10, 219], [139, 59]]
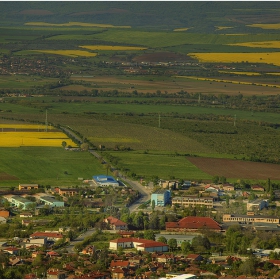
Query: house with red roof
[[193, 224], [52, 254], [115, 223], [275, 262], [257, 188], [138, 243], [55, 273], [119, 263], [53, 236], [194, 257], [11, 250]]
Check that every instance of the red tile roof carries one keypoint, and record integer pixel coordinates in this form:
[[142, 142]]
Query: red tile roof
[[141, 242], [119, 263], [115, 221], [46, 234], [194, 223]]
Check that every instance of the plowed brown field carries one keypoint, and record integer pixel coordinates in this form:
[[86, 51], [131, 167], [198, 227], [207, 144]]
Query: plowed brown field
[[237, 168]]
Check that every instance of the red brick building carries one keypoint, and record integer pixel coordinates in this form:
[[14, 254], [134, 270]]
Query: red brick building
[[193, 224]]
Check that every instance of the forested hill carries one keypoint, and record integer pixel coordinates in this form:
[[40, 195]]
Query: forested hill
[[200, 16]]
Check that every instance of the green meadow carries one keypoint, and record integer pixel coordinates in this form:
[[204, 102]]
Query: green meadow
[[47, 166], [153, 163]]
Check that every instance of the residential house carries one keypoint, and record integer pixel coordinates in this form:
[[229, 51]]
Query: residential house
[[257, 188], [55, 273], [228, 187], [11, 250], [26, 215], [193, 224], [67, 191], [119, 273], [88, 250], [194, 257], [51, 236], [4, 213], [138, 243], [257, 204], [28, 187], [115, 223]]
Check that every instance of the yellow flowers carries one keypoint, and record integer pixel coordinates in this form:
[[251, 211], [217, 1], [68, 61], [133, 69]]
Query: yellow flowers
[[72, 53], [270, 58], [16, 135], [264, 44], [112, 48], [241, 73], [266, 25]]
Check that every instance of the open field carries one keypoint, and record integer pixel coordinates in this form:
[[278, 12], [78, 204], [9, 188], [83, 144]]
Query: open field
[[46, 165], [83, 24], [18, 135], [236, 168], [163, 165], [72, 53], [176, 84], [269, 58]]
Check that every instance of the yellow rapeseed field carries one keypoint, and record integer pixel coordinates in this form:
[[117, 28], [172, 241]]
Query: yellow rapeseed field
[[72, 53], [241, 73], [266, 25], [18, 137], [112, 48], [43, 139], [73, 23], [264, 44], [270, 58]]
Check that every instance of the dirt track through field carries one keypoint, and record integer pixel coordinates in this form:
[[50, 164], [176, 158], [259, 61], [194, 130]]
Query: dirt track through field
[[237, 168]]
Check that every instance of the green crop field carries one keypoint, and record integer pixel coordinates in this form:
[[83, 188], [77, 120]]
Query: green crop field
[[151, 164], [47, 166], [158, 102]]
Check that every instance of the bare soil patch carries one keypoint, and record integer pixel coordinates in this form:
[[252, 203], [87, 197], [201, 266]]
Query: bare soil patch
[[237, 168], [5, 177]]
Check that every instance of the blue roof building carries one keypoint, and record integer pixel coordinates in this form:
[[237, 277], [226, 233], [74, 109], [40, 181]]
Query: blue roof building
[[105, 181]]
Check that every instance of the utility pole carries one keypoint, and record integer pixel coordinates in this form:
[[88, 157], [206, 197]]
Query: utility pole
[[159, 120], [234, 122]]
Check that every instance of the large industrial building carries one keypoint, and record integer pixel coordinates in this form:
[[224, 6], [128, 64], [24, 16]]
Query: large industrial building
[[105, 181]]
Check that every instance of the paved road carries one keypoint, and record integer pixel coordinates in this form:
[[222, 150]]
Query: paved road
[[80, 238], [145, 193]]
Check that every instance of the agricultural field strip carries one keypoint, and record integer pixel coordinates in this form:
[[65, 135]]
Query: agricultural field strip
[[165, 39], [31, 137], [71, 53], [73, 23], [229, 81], [270, 58]]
